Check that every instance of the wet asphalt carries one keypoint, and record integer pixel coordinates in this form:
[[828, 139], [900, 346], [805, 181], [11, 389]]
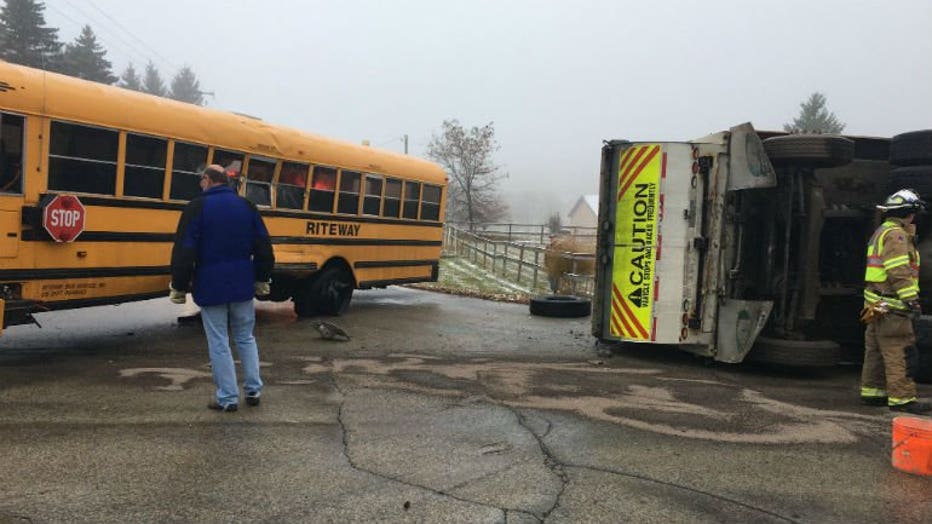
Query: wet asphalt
[[439, 409]]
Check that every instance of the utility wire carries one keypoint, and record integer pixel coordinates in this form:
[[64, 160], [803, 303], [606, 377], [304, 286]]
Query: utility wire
[[112, 32], [133, 35], [79, 25]]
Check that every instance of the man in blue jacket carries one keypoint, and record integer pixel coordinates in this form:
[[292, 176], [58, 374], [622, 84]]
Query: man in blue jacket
[[223, 247]]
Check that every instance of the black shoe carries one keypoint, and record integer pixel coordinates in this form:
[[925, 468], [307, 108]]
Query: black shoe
[[252, 399], [874, 401], [915, 407], [216, 406]]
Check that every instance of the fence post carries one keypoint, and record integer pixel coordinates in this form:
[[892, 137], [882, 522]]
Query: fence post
[[536, 265], [494, 255], [520, 260], [541, 234], [505, 255]]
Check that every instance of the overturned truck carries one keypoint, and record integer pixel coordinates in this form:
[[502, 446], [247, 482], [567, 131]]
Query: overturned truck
[[748, 245]]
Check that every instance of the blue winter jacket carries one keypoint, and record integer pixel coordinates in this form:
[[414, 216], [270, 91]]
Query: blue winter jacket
[[222, 247]]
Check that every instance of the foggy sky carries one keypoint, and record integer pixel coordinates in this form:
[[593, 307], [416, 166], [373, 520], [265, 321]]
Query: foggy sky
[[556, 77]]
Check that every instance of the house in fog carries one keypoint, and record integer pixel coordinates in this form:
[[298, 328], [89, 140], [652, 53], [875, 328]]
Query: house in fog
[[585, 213]]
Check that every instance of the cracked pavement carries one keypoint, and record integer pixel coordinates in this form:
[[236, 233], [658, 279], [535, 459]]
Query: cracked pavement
[[440, 409]]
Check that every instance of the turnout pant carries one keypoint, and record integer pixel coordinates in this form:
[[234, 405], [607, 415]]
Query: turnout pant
[[884, 373]]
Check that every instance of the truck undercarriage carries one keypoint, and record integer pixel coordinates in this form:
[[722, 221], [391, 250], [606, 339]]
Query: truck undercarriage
[[775, 254]]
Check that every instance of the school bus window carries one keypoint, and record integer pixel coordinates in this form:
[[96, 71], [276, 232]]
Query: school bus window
[[11, 153], [232, 162], [430, 203], [392, 207], [373, 199], [348, 201], [291, 184], [187, 163], [323, 188], [82, 159], [145, 166], [259, 180], [412, 195]]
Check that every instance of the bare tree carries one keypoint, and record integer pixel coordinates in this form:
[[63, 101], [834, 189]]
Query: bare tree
[[473, 195]]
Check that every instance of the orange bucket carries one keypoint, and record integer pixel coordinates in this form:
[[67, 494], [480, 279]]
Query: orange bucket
[[912, 445]]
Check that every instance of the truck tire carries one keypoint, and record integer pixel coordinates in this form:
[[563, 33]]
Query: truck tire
[[796, 353], [564, 306], [918, 178], [809, 150], [924, 344], [911, 149]]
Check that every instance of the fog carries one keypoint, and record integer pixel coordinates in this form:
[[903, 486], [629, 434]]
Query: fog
[[555, 77]]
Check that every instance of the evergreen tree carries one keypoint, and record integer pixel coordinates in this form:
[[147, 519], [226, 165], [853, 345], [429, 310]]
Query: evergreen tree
[[130, 80], [24, 38], [186, 88], [152, 82], [85, 59], [814, 118]]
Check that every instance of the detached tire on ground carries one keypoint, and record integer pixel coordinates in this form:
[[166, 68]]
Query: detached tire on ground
[[911, 149], [809, 150], [797, 353], [564, 306]]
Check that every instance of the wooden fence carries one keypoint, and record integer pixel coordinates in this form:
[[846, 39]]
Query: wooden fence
[[523, 262], [538, 234]]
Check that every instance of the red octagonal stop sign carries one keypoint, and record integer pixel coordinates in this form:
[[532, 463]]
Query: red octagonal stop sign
[[63, 218]]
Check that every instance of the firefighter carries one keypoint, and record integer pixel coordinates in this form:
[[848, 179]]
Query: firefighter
[[891, 303]]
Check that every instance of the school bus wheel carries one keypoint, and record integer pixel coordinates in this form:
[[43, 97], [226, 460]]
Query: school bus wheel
[[332, 290], [304, 303]]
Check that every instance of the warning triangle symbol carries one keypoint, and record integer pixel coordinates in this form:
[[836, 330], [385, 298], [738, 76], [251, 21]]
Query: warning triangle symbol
[[636, 297]]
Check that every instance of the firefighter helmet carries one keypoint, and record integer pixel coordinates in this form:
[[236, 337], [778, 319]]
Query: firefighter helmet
[[904, 199]]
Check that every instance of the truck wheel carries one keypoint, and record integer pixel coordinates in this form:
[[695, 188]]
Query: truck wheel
[[796, 353], [918, 178], [924, 344], [810, 150], [564, 306], [911, 149]]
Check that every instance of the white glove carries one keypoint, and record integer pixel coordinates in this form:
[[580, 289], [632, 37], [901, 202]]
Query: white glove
[[263, 289], [177, 297]]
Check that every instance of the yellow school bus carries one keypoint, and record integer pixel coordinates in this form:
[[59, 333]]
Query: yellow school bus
[[93, 179]]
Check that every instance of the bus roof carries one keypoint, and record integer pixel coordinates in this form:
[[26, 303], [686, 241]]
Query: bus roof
[[34, 91]]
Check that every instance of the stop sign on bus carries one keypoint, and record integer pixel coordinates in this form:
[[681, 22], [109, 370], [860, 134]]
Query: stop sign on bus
[[63, 218]]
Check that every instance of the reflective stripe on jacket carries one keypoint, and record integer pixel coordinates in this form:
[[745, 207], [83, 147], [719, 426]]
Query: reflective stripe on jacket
[[892, 273]]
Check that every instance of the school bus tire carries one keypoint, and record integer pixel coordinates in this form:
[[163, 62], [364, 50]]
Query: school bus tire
[[304, 303], [282, 289], [810, 150], [332, 290], [562, 306]]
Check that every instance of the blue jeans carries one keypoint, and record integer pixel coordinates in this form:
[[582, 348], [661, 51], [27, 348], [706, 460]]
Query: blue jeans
[[240, 317]]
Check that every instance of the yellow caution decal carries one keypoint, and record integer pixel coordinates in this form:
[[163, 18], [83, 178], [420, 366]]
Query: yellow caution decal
[[636, 243]]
